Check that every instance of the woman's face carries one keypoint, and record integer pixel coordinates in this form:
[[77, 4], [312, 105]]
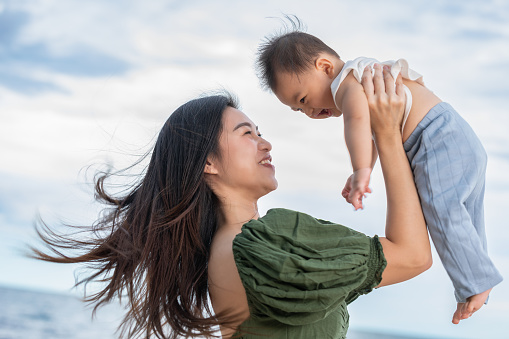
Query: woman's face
[[244, 166]]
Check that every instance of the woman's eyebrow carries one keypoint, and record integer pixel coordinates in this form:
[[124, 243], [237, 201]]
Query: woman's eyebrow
[[248, 124]]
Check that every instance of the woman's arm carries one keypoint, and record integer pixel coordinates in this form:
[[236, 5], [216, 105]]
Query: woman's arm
[[406, 244]]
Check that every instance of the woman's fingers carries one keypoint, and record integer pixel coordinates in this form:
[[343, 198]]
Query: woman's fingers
[[389, 80], [400, 91], [378, 79], [386, 102], [367, 82]]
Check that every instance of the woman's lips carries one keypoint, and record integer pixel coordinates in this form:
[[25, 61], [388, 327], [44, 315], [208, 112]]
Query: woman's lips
[[267, 162]]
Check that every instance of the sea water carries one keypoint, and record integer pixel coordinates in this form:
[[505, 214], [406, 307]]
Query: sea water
[[26, 314], [34, 315]]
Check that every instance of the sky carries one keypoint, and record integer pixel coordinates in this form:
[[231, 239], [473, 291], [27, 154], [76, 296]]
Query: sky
[[84, 84]]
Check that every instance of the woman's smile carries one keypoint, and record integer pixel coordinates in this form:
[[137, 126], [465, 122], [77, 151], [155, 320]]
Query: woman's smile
[[267, 162]]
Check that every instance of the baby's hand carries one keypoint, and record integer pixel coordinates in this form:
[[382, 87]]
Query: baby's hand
[[473, 304], [356, 187], [347, 189]]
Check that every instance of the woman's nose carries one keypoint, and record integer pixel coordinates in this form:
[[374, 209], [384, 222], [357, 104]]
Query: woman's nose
[[264, 145]]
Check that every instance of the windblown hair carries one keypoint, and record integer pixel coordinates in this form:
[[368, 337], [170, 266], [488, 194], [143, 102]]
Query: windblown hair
[[291, 51], [152, 244]]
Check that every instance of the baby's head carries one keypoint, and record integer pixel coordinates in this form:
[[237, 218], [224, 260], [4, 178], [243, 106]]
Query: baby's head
[[299, 68]]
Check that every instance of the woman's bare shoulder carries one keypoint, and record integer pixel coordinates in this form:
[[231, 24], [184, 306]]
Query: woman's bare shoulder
[[227, 293]]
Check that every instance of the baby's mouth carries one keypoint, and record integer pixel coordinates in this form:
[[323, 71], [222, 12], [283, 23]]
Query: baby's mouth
[[324, 113]]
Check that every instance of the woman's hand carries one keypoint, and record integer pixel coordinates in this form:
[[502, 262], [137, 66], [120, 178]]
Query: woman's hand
[[386, 101]]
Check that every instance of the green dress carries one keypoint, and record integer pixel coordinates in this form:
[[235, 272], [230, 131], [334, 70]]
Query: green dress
[[300, 273]]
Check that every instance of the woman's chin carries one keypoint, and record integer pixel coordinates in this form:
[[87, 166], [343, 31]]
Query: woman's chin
[[275, 185], [270, 187]]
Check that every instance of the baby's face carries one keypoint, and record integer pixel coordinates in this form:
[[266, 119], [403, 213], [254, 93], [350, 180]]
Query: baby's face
[[309, 93]]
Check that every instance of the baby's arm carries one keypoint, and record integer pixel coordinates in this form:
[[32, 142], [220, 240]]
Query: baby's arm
[[358, 139], [374, 154]]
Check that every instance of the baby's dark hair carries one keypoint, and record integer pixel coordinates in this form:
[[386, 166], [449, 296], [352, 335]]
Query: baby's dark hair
[[291, 51]]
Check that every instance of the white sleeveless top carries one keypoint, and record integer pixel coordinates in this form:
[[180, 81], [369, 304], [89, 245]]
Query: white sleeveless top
[[357, 66]]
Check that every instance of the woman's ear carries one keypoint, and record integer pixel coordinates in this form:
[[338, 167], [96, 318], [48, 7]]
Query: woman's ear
[[210, 167]]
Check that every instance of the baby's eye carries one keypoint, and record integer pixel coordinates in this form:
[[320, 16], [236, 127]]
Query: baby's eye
[[302, 100]]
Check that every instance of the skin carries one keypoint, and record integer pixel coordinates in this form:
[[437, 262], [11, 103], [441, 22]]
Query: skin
[[310, 93], [406, 244], [423, 101], [473, 304], [239, 179]]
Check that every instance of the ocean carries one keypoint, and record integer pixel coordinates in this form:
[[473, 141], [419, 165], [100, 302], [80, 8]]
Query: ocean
[[34, 315], [26, 314]]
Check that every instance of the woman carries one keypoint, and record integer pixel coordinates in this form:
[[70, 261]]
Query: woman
[[190, 228]]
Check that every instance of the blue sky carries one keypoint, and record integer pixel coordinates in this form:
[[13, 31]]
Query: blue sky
[[84, 83]]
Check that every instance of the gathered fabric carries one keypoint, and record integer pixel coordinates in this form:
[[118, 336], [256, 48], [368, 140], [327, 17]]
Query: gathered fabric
[[300, 273]]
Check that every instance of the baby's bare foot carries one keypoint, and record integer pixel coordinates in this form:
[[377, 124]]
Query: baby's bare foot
[[467, 309]]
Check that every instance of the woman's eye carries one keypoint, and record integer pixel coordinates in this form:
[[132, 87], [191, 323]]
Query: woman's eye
[[250, 132], [302, 100]]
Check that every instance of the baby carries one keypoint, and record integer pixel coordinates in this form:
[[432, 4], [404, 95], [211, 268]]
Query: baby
[[447, 158]]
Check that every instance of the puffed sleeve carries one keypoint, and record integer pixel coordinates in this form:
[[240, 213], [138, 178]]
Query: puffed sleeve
[[297, 269]]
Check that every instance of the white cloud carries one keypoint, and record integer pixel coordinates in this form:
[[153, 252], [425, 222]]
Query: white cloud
[[178, 50]]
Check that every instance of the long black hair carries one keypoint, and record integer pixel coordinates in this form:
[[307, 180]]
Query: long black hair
[[152, 244]]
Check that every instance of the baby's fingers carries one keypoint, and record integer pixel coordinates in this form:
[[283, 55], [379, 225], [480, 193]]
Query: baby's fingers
[[346, 193], [357, 205], [356, 199]]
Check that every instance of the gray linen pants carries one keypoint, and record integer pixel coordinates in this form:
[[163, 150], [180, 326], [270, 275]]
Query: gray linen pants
[[449, 166]]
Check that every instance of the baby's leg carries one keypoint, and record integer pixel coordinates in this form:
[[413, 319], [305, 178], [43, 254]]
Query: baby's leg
[[449, 166]]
